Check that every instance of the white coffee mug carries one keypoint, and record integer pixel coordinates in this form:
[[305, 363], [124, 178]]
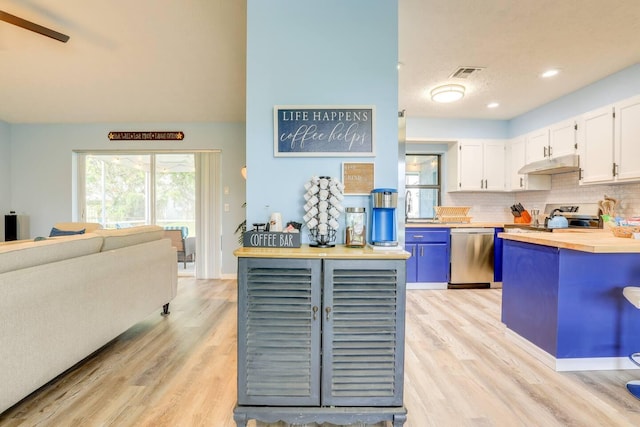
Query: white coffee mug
[[275, 222]]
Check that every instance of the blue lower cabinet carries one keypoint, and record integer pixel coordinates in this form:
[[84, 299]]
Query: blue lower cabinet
[[429, 249], [570, 303], [497, 255]]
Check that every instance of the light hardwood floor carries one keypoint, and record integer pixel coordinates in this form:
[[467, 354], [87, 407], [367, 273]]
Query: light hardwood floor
[[460, 370]]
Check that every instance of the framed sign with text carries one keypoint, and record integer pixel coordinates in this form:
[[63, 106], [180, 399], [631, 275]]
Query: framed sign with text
[[327, 131], [357, 178]]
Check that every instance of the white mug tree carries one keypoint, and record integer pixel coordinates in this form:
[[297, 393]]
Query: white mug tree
[[323, 208]]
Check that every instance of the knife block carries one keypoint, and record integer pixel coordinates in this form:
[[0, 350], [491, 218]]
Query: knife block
[[524, 218]]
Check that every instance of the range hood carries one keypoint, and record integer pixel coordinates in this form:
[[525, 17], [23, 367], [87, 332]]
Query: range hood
[[562, 164]]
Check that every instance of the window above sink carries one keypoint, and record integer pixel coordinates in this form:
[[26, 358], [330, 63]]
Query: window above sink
[[423, 186]]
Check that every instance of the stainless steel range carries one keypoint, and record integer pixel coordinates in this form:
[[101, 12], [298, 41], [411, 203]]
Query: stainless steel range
[[578, 215]]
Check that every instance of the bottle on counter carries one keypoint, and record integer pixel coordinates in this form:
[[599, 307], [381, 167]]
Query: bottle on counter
[[356, 227]]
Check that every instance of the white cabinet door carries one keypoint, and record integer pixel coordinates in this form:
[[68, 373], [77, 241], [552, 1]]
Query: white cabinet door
[[562, 139], [516, 162], [596, 153], [493, 165], [537, 145], [517, 182], [627, 140], [471, 165]]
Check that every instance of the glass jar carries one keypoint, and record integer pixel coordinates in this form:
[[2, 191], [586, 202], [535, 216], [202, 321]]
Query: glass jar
[[356, 229]]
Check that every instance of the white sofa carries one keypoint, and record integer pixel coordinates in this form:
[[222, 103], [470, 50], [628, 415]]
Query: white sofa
[[63, 298]]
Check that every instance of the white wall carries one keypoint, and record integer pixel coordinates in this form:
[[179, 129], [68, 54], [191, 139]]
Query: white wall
[[42, 177], [305, 52], [5, 175], [565, 189]]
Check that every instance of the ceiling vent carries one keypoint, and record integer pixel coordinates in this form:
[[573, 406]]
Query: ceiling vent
[[465, 72]]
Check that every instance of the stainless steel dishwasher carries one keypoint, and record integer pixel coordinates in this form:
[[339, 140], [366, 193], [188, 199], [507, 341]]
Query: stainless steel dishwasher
[[471, 257]]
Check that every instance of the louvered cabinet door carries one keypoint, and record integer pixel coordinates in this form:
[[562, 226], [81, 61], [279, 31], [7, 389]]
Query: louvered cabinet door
[[363, 332], [279, 332]]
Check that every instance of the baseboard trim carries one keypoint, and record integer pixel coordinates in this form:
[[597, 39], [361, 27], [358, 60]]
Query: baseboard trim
[[570, 364], [427, 285]]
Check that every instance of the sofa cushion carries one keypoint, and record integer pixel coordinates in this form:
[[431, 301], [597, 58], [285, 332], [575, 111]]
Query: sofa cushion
[[29, 253], [55, 232], [119, 238]]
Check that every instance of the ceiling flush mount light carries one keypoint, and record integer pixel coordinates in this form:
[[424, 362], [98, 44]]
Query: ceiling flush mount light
[[493, 105], [550, 73], [447, 93]]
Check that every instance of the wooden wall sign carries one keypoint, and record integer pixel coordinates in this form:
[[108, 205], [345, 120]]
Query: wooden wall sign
[[146, 136], [327, 131], [357, 178]]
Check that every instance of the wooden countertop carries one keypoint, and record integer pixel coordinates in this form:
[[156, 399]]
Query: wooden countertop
[[410, 225], [305, 251], [595, 241]]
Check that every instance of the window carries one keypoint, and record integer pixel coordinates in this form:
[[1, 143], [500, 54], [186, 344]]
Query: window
[[423, 185], [123, 190]]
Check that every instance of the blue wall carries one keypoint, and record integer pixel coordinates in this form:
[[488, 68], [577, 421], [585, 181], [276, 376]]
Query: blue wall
[[5, 174], [433, 128], [618, 86], [304, 52]]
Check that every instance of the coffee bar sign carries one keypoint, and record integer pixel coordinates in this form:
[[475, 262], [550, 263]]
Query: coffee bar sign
[[324, 131]]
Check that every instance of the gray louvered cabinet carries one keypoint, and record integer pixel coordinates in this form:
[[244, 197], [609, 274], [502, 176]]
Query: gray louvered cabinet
[[321, 340], [279, 331]]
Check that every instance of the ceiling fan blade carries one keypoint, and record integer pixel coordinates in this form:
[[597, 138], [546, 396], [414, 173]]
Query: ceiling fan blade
[[28, 25]]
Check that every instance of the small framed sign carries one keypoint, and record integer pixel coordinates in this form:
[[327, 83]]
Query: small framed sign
[[327, 131], [357, 178]]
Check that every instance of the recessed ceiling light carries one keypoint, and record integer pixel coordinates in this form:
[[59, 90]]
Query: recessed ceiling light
[[493, 105], [447, 93], [550, 73]]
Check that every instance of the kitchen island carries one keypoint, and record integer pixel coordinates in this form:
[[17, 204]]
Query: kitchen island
[[321, 335], [562, 297]]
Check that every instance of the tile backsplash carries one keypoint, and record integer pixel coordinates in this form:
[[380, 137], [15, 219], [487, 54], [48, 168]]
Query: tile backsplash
[[564, 189]]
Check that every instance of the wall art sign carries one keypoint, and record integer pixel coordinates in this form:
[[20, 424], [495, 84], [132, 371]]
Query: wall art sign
[[322, 130], [146, 136], [357, 178]]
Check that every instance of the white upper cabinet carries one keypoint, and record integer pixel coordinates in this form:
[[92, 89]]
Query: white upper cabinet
[[537, 145], [476, 165], [627, 140], [554, 141], [516, 159], [596, 150], [562, 138], [611, 149]]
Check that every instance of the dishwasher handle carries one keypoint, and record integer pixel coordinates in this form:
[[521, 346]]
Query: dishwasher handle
[[472, 231]]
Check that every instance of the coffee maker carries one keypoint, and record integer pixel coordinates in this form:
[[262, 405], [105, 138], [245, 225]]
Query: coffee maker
[[383, 217]]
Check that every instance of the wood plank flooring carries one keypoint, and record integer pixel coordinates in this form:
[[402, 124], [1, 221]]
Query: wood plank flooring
[[460, 370]]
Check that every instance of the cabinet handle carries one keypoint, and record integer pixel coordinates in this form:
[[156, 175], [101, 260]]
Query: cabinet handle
[[550, 151], [413, 251], [418, 236], [482, 183], [486, 184], [521, 185], [544, 149], [315, 312], [421, 250], [580, 174], [328, 310], [615, 169]]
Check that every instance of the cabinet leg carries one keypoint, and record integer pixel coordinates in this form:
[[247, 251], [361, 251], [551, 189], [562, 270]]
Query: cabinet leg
[[240, 419], [399, 420], [165, 310]]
